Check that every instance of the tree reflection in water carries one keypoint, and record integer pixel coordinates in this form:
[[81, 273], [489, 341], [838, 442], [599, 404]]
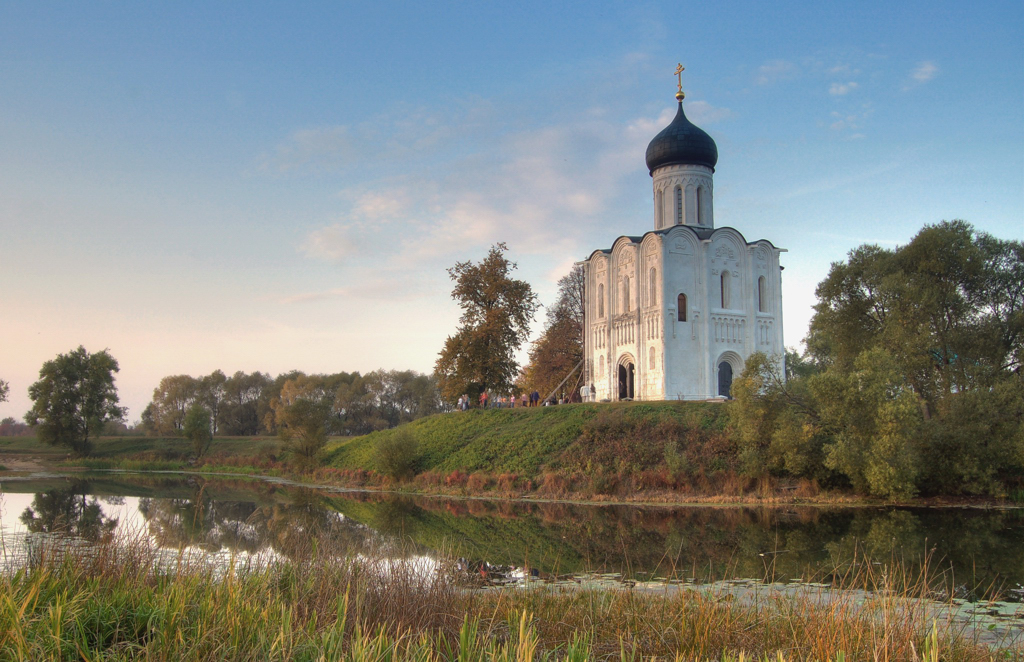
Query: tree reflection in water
[[68, 511], [295, 526]]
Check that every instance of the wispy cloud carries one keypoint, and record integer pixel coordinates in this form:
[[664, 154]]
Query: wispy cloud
[[316, 149], [703, 112], [775, 71], [405, 135], [921, 74], [545, 190], [841, 89]]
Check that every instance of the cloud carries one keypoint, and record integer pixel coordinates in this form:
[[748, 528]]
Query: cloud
[[547, 191], [316, 149], [406, 135], [925, 72], [703, 112], [775, 71], [922, 73], [332, 243], [840, 89]]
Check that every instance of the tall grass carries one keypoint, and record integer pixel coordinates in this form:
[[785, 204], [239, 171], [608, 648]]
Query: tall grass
[[126, 600]]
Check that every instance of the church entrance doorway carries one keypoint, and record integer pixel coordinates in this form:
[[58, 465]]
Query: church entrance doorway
[[724, 379], [627, 374]]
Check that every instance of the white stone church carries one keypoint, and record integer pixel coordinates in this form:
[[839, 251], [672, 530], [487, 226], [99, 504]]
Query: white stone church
[[673, 315]]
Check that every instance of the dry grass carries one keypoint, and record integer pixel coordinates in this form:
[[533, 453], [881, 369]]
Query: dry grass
[[126, 600]]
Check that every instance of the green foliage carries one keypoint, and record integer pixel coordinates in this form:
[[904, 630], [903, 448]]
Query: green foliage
[[496, 314], [773, 432], [395, 455], [74, 398], [197, 428], [873, 416], [303, 414], [912, 382], [5, 389]]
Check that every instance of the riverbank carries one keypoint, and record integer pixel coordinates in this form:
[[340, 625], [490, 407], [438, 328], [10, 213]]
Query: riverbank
[[127, 600], [658, 453]]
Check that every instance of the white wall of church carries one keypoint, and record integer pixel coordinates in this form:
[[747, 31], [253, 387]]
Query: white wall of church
[[683, 195], [675, 358]]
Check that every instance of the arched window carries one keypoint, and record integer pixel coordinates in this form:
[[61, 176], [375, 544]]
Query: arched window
[[651, 361], [725, 288], [681, 307], [602, 365], [700, 205], [653, 300], [762, 296], [659, 208], [600, 300], [679, 205], [625, 294]]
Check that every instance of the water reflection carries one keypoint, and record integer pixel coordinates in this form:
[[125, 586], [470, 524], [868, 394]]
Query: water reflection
[[982, 551], [69, 511]]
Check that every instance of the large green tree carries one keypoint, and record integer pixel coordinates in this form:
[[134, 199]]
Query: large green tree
[[5, 388], [497, 310], [73, 399], [913, 379], [948, 308]]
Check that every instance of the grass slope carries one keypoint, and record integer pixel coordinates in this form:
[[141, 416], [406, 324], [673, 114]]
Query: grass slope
[[527, 441]]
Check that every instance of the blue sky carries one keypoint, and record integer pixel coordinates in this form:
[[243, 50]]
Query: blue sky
[[255, 186]]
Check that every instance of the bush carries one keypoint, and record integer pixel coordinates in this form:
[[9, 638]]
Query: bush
[[395, 455], [197, 429]]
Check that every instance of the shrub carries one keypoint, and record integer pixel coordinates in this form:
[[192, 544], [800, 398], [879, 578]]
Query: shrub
[[477, 482], [395, 455], [197, 429], [507, 483]]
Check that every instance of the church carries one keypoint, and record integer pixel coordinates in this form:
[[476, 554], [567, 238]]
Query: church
[[673, 314]]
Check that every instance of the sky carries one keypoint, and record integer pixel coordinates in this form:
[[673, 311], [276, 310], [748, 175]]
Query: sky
[[277, 186]]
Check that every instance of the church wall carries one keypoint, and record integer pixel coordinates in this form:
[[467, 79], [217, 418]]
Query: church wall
[[688, 178], [683, 339]]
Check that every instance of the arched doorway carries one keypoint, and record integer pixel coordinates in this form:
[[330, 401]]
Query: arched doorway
[[627, 377], [724, 379]]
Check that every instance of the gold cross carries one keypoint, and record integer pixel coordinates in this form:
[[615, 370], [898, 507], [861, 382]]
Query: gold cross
[[679, 72]]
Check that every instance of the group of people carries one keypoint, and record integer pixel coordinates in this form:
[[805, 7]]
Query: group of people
[[533, 399], [500, 402]]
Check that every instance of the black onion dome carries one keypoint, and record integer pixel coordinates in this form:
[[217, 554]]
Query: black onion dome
[[681, 143]]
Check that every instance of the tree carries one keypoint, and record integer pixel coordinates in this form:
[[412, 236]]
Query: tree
[[211, 394], [73, 399], [496, 314], [245, 403], [948, 307], [197, 428], [171, 401], [5, 389], [560, 348], [776, 428], [304, 414], [936, 325]]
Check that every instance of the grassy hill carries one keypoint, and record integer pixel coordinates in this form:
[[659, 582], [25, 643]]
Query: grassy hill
[[618, 437]]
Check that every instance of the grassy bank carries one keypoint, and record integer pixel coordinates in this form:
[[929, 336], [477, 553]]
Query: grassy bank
[[115, 603], [659, 451], [666, 452]]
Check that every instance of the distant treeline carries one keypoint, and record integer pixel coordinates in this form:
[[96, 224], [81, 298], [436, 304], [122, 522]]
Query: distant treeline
[[250, 403]]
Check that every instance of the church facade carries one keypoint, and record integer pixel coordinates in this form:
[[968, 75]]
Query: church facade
[[673, 314]]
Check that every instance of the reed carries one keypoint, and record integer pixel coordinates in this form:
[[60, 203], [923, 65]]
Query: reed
[[124, 599]]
